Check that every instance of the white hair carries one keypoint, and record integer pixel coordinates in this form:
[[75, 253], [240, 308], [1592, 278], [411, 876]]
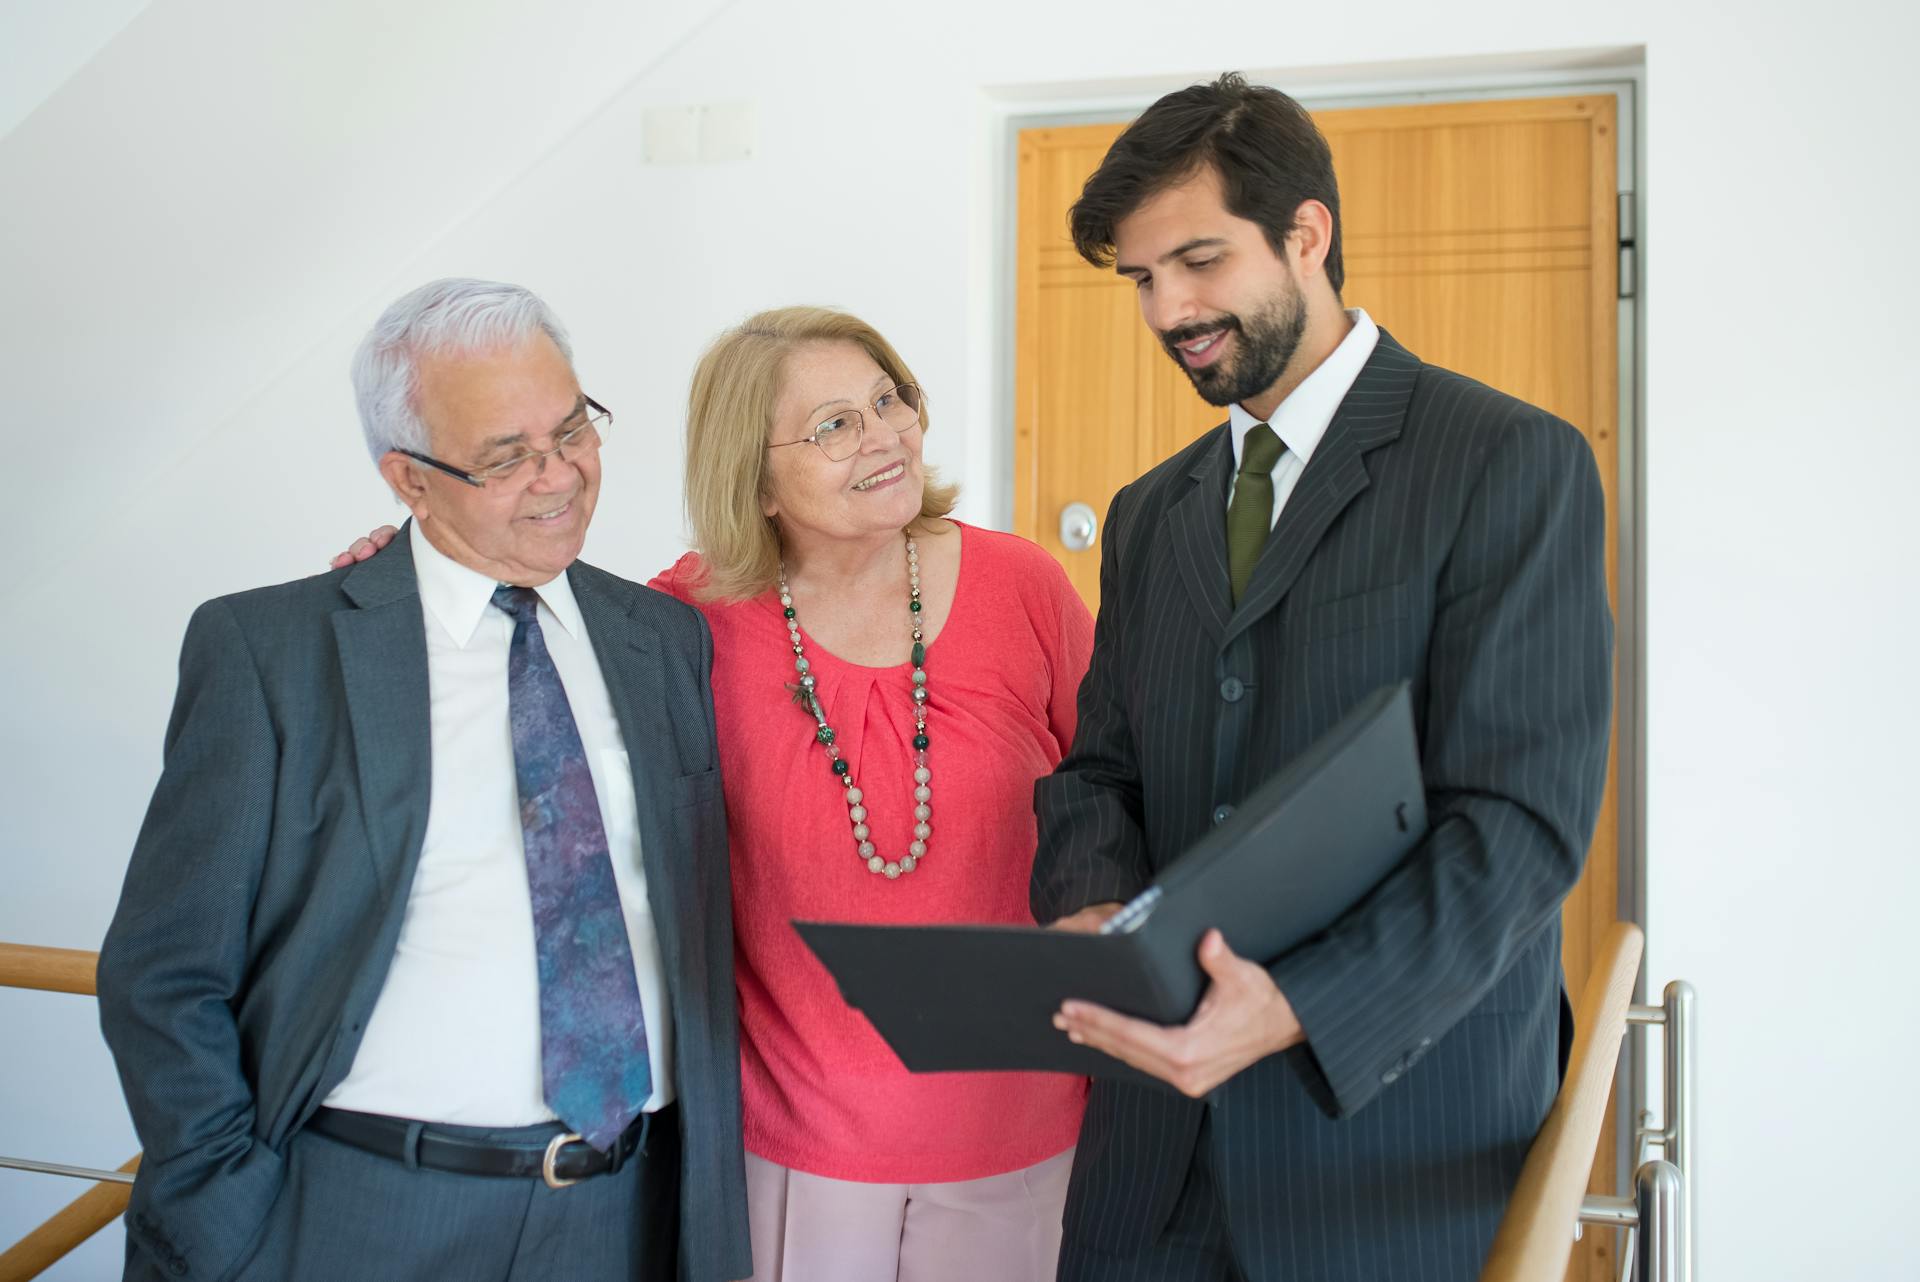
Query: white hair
[[444, 316]]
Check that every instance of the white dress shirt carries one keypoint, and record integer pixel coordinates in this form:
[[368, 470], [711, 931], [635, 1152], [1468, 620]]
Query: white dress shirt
[[1303, 418], [455, 1034]]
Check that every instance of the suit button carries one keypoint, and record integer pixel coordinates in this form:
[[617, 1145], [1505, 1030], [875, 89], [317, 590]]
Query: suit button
[[1231, 689], [1222, 813], [177, 1267]]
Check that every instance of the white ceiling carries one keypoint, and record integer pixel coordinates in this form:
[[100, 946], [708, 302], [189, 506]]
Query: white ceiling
[[210, 191], [43, 42]]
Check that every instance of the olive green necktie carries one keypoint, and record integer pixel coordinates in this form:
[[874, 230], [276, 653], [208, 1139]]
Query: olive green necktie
[[1250, 514]]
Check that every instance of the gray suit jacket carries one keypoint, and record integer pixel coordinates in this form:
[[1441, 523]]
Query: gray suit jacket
[[1446, 535], [267, 888]]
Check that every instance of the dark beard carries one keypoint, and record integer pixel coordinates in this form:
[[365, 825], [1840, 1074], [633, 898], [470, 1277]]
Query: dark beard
[[1265, 346]]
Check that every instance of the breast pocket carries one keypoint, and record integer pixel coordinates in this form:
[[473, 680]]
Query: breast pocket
[[1340, 650], [699, 824], [695, 789], [1358, 612]]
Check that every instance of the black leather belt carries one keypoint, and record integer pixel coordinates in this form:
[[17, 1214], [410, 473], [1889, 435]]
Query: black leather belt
[[562, 1160]]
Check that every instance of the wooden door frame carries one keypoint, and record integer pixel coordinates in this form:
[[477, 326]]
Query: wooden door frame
[[1624, 78]]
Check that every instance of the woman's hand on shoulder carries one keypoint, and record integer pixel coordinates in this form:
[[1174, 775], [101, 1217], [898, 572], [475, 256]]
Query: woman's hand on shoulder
[[364, 548]]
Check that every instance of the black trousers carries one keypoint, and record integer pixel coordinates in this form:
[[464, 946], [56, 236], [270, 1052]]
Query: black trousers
[[1196, 1246]]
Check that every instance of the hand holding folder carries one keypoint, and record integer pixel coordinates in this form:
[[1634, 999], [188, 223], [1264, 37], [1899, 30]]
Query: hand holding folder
[[1242, 1018], [1308, 845]]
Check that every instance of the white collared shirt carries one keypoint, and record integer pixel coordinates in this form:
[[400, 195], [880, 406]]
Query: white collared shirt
[[1303, 418], [455, 1034]]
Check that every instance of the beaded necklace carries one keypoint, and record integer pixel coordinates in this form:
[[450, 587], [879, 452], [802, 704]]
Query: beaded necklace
[[823, 734]]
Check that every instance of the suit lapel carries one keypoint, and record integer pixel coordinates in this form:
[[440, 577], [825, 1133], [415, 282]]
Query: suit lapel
[[628, 648], [383, 667], [1197, 526], [1370, 416]]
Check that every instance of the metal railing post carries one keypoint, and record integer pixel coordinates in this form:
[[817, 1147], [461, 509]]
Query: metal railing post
[[1677, 1141], [1658, 1219], [1662, 1237]]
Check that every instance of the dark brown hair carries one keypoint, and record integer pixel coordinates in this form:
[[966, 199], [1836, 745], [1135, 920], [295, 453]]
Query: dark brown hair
[[1269, 154]]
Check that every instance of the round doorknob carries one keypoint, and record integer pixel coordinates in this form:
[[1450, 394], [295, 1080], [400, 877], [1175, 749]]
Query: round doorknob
[[1079, 525]]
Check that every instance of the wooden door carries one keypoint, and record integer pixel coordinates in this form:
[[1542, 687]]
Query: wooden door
[[1481, 234]]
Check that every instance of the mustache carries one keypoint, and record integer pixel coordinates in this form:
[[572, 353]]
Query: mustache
[[1200, 329]]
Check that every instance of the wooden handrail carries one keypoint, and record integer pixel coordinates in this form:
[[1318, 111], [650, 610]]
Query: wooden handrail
[[59, 970], [1536, 1233], [79, 1220], [52, 970]]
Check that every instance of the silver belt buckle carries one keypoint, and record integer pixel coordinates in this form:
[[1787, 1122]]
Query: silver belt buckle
[[553, 1151]]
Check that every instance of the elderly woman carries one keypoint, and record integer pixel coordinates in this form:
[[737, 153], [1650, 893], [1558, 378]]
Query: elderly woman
[[888, 684]]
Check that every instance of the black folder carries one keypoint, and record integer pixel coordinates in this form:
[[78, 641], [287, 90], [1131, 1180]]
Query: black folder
[[1305, 847]]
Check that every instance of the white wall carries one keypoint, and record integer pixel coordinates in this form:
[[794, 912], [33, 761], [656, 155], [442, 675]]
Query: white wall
[[1780, 592]]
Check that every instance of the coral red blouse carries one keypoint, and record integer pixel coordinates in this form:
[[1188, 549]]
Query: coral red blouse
[[820, 1091]]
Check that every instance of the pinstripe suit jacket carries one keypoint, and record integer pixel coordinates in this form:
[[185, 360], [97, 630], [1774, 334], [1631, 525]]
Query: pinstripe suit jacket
[[1446, 535]]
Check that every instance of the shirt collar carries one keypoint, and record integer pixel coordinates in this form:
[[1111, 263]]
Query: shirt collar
[[1303, 418], [458, 597]]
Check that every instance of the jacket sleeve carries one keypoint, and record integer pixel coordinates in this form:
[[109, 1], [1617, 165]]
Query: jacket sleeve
[[1068, 651], [1518, 707], [174, 959], [1091, 847]]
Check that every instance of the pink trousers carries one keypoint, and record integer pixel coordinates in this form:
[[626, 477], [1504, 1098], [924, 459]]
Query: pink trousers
[[1003, 1228]]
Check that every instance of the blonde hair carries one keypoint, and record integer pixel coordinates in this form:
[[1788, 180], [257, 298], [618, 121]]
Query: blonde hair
[[730, 410]]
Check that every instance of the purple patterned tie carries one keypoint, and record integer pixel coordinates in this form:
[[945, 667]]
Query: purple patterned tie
[[593, 1033]]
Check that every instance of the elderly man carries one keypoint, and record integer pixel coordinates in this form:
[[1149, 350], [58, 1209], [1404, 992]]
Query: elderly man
[[423, 966]]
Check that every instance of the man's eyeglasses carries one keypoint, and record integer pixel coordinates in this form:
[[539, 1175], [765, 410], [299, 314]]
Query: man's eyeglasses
[[581, 437], [839, 437]]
